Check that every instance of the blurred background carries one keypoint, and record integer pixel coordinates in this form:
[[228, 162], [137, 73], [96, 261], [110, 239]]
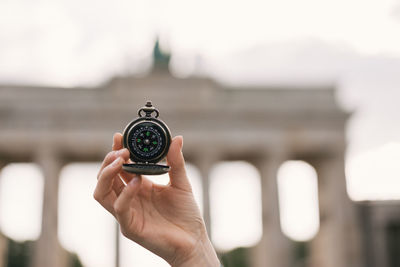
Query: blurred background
[[289, 110]]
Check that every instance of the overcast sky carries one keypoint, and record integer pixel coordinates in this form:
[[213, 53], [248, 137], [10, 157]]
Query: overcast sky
[[354, 44]]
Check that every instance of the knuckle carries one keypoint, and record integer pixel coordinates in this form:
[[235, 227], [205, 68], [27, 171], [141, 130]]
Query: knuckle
[[117, 208], [96, 196], [109, 155], [124, 232], [99, 174]]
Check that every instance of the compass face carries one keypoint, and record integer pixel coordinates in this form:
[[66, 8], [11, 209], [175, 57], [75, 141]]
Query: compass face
[[147, 141]]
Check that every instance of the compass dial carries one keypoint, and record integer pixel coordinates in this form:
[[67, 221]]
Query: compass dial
[[147, 141]]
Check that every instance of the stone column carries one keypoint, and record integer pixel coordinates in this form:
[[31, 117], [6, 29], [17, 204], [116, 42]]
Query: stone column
[[274, 248], [3, 250], [3, 239], [204, 163], [48, 252], [117, 245], [337, 243]]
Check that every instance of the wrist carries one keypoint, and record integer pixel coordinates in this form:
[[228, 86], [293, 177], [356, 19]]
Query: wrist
[[203, 255]]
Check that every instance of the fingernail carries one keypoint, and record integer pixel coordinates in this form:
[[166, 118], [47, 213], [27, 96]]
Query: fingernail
[[135, 181], [113, 142], [116, 161]]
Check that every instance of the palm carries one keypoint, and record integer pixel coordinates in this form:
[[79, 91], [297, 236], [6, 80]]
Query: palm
[[160, 213]]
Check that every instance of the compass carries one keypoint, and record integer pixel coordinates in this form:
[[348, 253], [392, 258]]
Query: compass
[[147, 138]]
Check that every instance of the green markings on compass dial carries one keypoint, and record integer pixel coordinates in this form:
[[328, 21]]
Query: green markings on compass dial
[[148, 141]]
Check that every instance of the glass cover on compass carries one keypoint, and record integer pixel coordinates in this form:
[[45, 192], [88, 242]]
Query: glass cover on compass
[[147, 138]]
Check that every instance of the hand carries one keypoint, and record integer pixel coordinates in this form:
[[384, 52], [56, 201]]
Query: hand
[[162, 218]]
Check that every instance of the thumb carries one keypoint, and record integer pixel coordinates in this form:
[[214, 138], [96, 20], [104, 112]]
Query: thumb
[[175, 159]]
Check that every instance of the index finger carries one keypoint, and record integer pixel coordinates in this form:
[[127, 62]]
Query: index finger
[[126, 177], [111, 156]]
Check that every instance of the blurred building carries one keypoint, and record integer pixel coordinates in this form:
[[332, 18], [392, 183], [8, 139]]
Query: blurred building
[[381, 232], [264, 126]]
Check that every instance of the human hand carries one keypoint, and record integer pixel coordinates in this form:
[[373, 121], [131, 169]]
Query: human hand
[[162, 218]]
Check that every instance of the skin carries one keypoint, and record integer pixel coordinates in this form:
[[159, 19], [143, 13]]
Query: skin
[[164, 219]]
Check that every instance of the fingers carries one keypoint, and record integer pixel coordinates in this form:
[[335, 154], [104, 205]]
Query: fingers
[[175, 159], [119, 184], [109, 184], [123, 203], [113, 155], [118, 151], [126, 177], [104, 193]]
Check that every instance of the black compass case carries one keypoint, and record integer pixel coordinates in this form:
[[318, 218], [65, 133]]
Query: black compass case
[[148, 139]]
